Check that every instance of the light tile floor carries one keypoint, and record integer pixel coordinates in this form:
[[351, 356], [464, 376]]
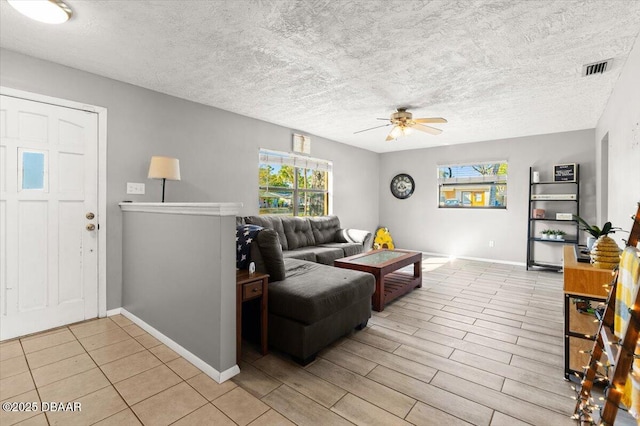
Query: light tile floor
[[479, 343]]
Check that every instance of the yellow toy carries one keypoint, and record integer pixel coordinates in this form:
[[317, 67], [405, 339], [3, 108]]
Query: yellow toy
[[383, 239]]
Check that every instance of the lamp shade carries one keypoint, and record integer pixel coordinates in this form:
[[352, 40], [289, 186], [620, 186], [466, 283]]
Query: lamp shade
[[164, 168]]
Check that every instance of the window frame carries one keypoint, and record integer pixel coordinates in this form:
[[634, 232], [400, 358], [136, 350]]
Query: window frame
[[298, 162], [470, 196]]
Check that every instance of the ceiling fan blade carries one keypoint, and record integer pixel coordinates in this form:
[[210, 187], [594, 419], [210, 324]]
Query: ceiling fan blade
[[430, 120], [426, 129], [395, 133], [366, 130]]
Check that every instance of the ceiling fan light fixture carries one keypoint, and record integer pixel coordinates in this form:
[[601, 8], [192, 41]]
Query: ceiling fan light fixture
[[396, 132], [404, 124], [45, 11]]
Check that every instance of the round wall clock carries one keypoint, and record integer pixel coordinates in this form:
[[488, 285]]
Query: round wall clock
[[402, 186]]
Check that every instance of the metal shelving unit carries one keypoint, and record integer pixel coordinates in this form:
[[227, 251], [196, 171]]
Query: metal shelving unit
[[574, 205]]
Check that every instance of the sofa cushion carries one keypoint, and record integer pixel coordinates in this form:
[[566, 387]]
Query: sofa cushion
[[272, 222], [324, 228], [312, 291], [271, 252], [269, 259], [326, 255], [298, 232], [349, 249], [302, 253]]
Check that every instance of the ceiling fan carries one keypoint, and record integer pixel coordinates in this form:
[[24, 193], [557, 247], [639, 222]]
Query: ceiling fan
[[403, 123]]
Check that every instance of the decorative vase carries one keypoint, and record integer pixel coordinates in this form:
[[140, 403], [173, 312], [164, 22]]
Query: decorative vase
[[590, 242], [605, 253]]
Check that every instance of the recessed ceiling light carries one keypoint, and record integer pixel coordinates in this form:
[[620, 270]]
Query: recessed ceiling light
[[47, 11]]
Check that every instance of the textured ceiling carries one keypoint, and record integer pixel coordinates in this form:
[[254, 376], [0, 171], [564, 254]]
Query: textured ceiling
[[494, 69]]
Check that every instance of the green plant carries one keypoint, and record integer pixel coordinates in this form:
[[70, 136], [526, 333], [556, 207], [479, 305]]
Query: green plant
[[561, 233], [553, 232], [545, 231], [593, 230]]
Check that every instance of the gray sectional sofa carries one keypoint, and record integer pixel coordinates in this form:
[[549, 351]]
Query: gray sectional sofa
[[311, 304], [316, 239]]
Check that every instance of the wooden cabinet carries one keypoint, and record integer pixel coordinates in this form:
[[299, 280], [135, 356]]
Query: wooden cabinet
[[582, 283]]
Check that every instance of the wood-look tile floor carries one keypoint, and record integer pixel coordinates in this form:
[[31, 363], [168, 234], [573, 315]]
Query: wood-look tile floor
[[479, 343]]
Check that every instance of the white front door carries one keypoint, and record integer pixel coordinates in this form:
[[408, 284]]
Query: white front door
[[48, 194]]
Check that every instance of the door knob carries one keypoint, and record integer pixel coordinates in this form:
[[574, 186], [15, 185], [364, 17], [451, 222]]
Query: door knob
[[91, 227], [90, 215]]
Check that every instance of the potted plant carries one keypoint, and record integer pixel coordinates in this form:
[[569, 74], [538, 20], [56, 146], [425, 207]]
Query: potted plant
[[553, 234], [605, 253], [545, 234], [560, 234]]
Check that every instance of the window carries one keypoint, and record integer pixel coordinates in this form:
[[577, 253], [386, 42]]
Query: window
[[482, 185], [293, 185], [33, 173]]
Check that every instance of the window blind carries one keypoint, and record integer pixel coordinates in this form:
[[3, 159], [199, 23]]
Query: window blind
[[286, 158]]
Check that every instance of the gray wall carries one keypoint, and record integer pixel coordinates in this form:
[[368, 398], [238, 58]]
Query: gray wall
[[417, 222], [620, 123], [178, 263], [218, 150]]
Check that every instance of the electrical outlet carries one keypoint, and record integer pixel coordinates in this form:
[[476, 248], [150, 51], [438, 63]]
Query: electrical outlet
[[135, 188], [492, 243]]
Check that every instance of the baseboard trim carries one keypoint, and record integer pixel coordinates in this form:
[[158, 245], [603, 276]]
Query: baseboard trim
[[479, 259], [112, 312], [193, 359]]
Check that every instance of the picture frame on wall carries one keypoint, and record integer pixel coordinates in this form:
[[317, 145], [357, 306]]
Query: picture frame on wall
[[301, 144], [564, 172]]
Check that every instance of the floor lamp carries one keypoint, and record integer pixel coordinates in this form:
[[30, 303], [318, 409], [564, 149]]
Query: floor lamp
[[164, 168]]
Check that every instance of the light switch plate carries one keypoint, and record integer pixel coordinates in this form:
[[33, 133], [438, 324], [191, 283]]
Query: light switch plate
[[135, 188]]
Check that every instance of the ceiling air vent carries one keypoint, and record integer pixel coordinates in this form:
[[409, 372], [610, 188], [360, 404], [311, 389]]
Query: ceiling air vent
[[596, 68]]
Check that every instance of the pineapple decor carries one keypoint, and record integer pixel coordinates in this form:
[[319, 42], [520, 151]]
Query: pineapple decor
[[605, 253]]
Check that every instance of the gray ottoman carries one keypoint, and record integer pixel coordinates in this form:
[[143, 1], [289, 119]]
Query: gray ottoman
[[315, 305]]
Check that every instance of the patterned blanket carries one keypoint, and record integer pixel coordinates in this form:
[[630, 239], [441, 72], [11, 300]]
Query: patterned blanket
[[245, 234], [626, 290]]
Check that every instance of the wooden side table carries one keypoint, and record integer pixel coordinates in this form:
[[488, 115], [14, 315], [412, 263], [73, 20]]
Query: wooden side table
[[249, 287]]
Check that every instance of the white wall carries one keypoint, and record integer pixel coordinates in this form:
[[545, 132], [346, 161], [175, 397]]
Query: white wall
[[417, 223], [621, 122], [218, 150]]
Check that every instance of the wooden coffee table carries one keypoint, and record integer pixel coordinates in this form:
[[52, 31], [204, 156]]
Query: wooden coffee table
[[382, 264]]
